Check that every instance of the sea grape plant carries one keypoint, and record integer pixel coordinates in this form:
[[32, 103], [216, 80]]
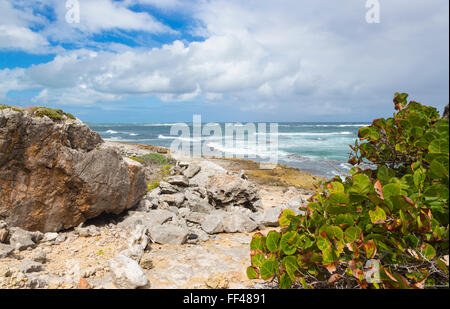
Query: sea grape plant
[[392, 215]]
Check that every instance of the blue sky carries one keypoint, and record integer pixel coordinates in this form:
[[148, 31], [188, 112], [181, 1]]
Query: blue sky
[[228, 60]]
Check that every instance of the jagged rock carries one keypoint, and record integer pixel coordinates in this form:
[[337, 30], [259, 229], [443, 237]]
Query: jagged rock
[[270, 217], [178, 180], [201, 235], [21, 239], [36, 282], [226, 190], [28, 266], [60, 238], [172, 199], [169, 234], [207, 170], [213, 223], [137, 243], [56, 174], [5, 250], [126, 273], [238, 222], [197, 204], [134, 253], [192, 170], [195, 217], [88, 231], [3, 235], [144, 205], [446, 112], [166, 188], [4, 270], [184, 211], [50, 236], [146, 261], [153, 194], [147, 219], [39, 256], [139, 237]]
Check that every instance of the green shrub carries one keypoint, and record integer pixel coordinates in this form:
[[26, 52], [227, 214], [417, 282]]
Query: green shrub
[[163, 162], [394, 214], [155, 158], [54, 114], [152, 185], [10, 107]]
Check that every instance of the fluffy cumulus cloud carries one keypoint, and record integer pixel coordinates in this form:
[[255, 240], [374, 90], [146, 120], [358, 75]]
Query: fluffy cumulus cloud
[[293, 57]]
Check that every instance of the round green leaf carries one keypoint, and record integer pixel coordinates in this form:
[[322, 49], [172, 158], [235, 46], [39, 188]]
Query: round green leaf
[[272, 241], [285, 282], [284, 217], [288, 241], [252, 273], [258, 259], [377, 215], [352, 233], [268, 270]]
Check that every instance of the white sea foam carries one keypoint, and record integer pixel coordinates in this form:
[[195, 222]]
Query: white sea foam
[[158, 124], [307, 133]]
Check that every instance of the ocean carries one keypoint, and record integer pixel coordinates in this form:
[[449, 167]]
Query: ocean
[[317, 148]]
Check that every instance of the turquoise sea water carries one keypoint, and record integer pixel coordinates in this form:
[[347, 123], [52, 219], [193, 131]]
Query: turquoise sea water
[[318, 148]]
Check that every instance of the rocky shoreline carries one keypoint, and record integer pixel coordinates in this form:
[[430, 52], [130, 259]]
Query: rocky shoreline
[[191, 229]]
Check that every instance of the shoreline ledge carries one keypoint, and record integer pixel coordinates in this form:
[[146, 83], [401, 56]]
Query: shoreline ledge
[[282, 175]]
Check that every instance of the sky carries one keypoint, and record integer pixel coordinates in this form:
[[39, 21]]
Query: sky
[[226, 60]]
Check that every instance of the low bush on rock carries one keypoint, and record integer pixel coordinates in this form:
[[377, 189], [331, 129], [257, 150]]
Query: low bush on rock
[[155, 158], [382, 227], [163, 165], [3, 106], [54, 114]]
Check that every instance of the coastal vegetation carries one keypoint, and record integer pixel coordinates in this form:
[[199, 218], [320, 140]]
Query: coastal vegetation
[[54, 114], [160, 163], [386, 226]]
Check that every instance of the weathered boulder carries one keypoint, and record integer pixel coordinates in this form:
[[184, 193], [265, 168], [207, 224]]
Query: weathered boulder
[[175, 199], [5, 250], [169, 234], [127, 274], [238, 222], [147, 219], [57, 174], [21, 239], [208, 169], [178, 180], [227, 190], [196, 204], [192, 170], [214, 222], [28, 266]]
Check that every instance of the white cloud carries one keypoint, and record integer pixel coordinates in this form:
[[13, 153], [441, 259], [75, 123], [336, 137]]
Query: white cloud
[[293, 57], [12, 37], [99, 15]]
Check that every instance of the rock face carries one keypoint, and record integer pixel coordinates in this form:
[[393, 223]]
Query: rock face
[[225, 190], [56, 175], [127, 274]]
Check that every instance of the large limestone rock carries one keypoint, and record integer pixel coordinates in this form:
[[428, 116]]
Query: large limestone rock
[[227, 190], [57, 174]]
